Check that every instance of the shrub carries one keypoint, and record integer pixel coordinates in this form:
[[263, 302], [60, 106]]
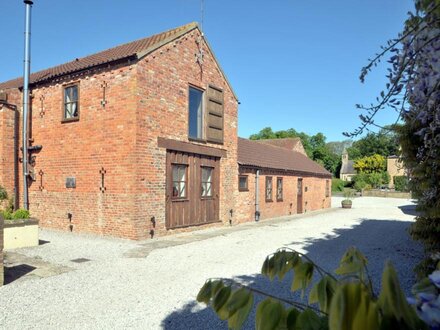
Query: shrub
[[7, 215], [338, 184], [401, 183], [21, 214], [360, 185], [375, 179], [3, 194], [11, 204], [386, 178]]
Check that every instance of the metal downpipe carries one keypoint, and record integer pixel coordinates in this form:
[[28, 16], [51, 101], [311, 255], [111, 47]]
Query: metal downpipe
[[257, 194], [26, 73]]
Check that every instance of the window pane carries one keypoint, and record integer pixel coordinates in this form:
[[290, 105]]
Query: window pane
[[175, 189], [195, 113], [175, 173], [74, 110], [67, 97], [182, 173], [74, 93], [243, 182], [204, 190], [206, 174], [208, 189], [182, 192]]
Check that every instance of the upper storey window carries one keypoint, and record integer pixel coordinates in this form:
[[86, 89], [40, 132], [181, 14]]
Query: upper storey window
[[195, 113], [206, 111], [71, 102]]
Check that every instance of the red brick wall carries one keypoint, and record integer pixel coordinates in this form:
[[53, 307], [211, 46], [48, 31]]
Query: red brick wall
[[163, 81], [103, 137], [313, 199], [8, 120]]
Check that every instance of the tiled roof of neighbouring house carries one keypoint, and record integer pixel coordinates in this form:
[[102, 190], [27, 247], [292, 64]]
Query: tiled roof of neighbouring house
[[252, 153], [347, 168], [135, 49]]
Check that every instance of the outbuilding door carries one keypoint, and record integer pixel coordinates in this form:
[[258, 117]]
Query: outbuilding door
[[192, 189], [299, 199]]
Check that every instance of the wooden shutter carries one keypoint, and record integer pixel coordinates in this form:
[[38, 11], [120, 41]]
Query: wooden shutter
[[214, 115]]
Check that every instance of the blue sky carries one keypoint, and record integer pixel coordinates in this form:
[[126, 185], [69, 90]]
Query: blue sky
[[293, 64]]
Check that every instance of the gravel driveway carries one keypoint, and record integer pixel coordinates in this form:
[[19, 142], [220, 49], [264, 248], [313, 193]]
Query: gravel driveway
[[152, 284]]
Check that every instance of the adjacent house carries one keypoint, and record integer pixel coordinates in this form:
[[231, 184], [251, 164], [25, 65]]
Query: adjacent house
[[141, 140], [395, 168], [347, 171]]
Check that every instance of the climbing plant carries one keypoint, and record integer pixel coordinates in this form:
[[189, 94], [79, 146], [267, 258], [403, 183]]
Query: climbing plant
[[413, 91]]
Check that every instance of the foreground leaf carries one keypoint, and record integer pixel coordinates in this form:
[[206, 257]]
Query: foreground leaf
[[392, 301], [269, 315], [239, 306]]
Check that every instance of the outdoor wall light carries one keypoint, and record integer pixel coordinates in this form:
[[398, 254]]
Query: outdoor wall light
[[153, 221]]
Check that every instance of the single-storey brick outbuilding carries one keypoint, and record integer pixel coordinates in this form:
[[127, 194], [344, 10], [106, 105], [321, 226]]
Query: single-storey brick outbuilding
[[141, 140]]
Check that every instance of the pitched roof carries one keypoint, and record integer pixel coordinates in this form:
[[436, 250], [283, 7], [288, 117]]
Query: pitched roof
[[287, 143], [347, 168], [252, 153], [136, 49]]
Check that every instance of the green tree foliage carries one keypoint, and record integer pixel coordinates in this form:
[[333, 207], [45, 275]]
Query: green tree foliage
[[315, 146], [384, 143], [345, 300], [338, 147], [401, 183], [338, 185], [370, 180], [370, 164]]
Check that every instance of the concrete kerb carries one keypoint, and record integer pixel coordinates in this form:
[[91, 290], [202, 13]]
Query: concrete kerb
[[147, 246]]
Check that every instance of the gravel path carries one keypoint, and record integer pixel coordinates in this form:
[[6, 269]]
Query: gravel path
[[158, 289]]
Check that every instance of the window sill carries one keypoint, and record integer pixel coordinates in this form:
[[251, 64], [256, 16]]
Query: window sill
[[180, 199], [194, 139], [70, 120], [279, 200], [243, 189], [269, 200]]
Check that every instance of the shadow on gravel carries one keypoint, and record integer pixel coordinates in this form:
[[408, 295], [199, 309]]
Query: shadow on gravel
[[15, 272], [409, 209], [379, 240]]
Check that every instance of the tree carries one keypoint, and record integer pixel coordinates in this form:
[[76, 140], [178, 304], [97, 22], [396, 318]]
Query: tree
[[372, 164], [383, 143], [338, 147], [314, 146]]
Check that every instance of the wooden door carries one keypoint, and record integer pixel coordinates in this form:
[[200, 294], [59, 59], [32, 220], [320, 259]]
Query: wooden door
[[299, 198], [192, 193]]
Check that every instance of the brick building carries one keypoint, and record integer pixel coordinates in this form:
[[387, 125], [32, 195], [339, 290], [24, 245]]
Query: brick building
[[134, 141], [276, 181]]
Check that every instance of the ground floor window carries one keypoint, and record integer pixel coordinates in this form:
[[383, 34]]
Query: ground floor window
[[243, 183], [280, 189], [179, 180], [268, 189], [206, 190], [327, 188]]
